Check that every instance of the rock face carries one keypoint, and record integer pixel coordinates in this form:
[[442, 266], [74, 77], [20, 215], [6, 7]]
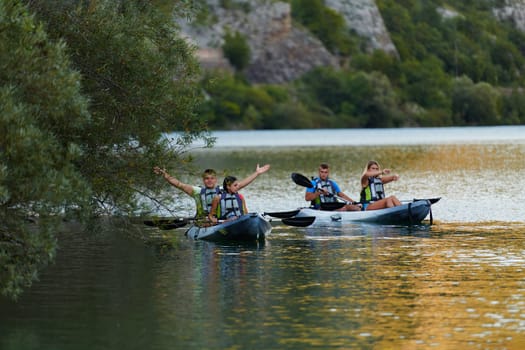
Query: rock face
[[280, 51], [514, 11], [364, 18]]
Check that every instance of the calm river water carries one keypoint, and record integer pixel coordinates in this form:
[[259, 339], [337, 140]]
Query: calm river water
[[459, 283]]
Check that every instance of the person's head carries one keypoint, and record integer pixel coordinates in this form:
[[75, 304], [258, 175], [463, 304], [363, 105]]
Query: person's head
[[372, 165], [209, 177], [324, 171], [230, 184]]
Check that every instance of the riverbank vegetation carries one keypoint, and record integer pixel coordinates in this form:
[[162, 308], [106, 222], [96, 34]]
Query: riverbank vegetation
[[465, 67], [86, 92]]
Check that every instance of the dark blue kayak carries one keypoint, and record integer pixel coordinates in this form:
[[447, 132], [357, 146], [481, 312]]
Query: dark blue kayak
[[249, 227]]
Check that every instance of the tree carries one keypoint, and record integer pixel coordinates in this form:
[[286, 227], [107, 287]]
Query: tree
[[236, 49], [42, 114], [84, 100], [475, 104], [375, 101], [141, 79], [426, 83], [325, 23], [513, 106]]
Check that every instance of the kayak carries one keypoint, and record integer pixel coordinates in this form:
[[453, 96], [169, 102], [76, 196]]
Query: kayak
[[249, 227], [409, 213]]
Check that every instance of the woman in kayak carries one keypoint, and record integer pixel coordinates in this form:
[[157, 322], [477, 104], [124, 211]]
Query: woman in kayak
[[229, 205], [372, 190]]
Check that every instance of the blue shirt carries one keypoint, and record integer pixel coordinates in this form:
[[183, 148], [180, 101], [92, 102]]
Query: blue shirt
[[315, 181]]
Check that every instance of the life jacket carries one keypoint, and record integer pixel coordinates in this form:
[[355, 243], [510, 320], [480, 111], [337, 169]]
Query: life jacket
[[231, 205], [206, 198], [374, 191], [328, 186]]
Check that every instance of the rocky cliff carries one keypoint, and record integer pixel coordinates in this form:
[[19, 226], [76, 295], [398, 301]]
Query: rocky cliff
[[514, 11], [364, 18], [282, 51]]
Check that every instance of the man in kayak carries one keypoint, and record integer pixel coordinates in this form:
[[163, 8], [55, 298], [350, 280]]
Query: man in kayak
[[372, 190], [203, 195], [326, 190]]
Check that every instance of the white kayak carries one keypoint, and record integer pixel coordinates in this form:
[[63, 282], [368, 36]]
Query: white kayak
[[409, 213]]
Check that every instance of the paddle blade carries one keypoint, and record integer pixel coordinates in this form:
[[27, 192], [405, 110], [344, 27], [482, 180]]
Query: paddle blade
[[434, 200], [299, 222], [329, 206], [166, 224], [282, 214], [431, 200], [301, 180]]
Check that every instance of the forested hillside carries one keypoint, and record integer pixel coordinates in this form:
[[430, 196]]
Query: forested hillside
[[454, 63]]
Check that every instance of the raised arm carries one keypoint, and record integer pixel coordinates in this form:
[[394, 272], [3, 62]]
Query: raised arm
[[258, 171], [188, 189], [388, 177], [367, 174]]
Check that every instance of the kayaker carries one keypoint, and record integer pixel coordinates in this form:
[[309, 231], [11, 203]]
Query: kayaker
[[325, 189], [372, 190], [230, 204], [203, 195]]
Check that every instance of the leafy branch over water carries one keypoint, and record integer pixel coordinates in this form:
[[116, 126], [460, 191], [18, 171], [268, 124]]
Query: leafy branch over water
[[87, 91]]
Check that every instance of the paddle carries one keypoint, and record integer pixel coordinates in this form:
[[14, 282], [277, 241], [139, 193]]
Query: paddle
[[168, 224], [282, 214], [431, 200], [299, 221], [330, 206], [302, 180]]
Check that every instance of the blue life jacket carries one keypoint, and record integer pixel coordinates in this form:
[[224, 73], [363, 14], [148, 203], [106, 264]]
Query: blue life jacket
[[231, 205], [328, 186]]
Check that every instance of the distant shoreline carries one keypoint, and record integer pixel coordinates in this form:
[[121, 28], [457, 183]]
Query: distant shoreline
[[367, 137]]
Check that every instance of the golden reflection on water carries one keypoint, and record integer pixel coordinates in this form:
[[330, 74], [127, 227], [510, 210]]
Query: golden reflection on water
[[469, 293], [457, 284], [441, 290]]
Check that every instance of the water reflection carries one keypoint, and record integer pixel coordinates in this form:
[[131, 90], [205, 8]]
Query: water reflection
[[350, 231], [459, 283], [352, 287], [403, 291]]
